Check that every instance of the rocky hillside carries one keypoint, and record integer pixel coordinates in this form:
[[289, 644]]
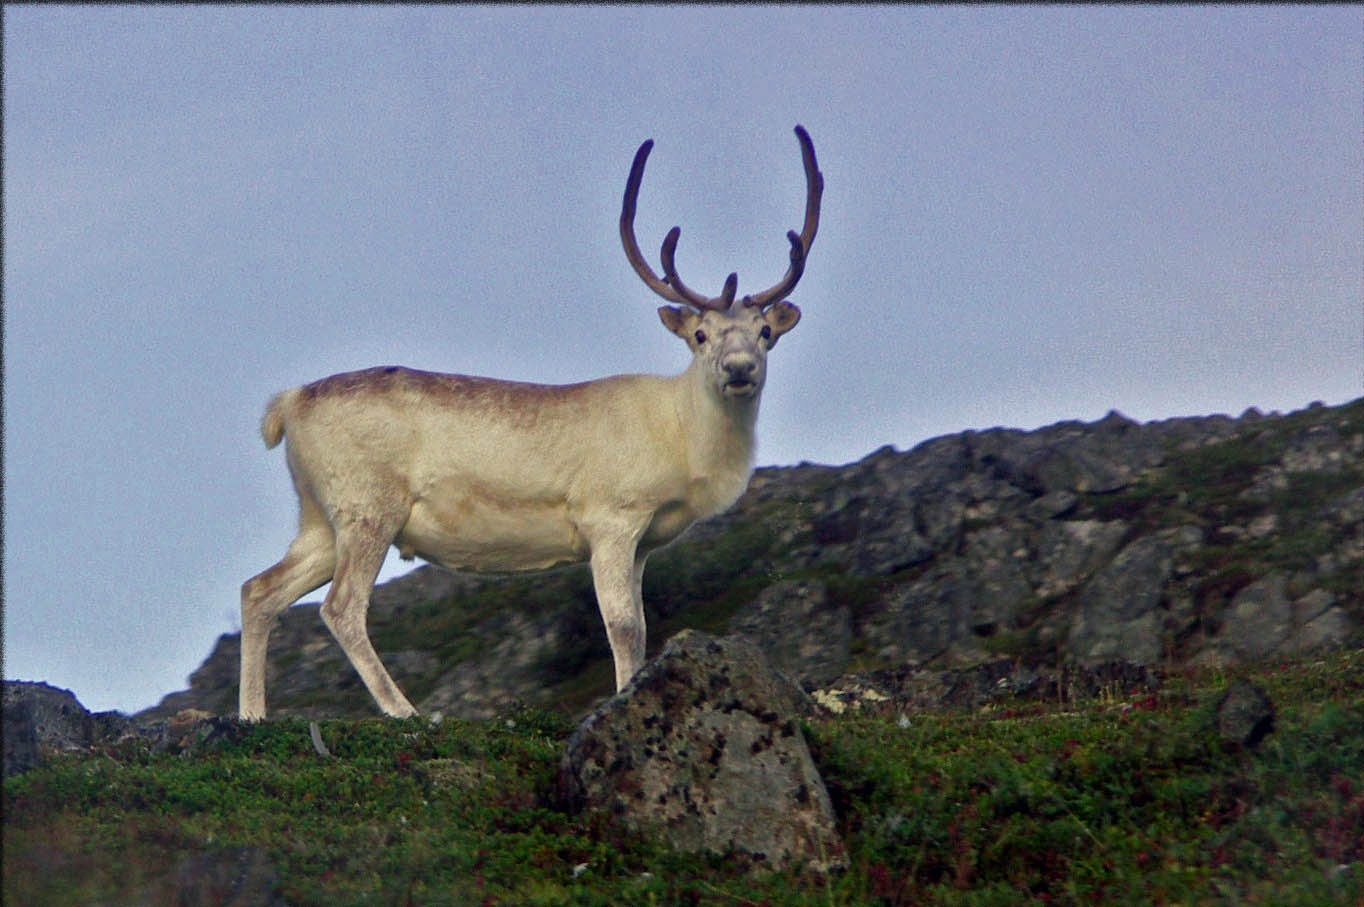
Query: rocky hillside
[[1189, 541]]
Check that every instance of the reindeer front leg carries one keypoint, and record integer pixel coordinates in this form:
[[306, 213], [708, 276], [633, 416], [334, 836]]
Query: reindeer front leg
[[617, 577]]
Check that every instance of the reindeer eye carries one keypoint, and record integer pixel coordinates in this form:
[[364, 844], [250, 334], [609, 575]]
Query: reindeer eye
[[766, 332], [700, 336]]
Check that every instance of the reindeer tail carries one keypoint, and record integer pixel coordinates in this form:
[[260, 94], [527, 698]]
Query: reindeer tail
[[272, 425]]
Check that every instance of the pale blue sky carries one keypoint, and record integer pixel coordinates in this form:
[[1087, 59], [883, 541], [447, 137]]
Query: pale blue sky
[[1031, 214]]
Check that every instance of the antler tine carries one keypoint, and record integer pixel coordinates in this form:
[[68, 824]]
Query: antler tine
[[670, 276], [731, 285], [800, 244], [670, 286]]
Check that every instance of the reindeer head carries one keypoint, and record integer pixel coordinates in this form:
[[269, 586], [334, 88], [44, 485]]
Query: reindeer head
[[729, 337]]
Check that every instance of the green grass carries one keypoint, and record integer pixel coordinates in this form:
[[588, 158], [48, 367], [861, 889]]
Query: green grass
[[1132, 804], [1119, 801]]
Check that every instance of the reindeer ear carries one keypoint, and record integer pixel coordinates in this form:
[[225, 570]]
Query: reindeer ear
[[679, 320], [781, 317]]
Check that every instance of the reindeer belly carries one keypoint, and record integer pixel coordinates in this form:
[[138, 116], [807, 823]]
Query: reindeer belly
[[669, 521], [474, 533]]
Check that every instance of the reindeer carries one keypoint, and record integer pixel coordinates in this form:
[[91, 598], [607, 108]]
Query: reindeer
[[495, 476]]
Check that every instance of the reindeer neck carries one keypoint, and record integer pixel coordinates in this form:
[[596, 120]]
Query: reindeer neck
[[719, 429]]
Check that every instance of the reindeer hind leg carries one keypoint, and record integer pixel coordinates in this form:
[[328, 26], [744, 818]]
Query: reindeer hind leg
[[360, 550], [307, 565]]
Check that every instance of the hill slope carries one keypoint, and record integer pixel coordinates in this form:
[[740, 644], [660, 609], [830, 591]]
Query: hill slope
[[1200, 541]]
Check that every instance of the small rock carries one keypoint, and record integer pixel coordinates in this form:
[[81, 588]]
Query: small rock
[[1054, 504], [1312, 605], [1326, 631], [1245, 714], [192, 731]]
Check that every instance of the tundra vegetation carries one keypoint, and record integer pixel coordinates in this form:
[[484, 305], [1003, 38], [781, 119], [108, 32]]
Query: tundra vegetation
[[1117, 800]]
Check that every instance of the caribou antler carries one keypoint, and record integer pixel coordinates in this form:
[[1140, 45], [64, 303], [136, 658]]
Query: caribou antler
[[671, 287], [800, 245]]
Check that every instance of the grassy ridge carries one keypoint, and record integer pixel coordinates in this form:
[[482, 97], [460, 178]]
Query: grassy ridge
[[1115, 802]]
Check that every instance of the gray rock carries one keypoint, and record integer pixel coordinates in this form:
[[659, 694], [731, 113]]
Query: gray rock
[[994, 584], [1052, 505], [1311, 606], [1259, 620], [1072, 457], [1327, 630], [42, 719], [873, 536], [1079, 470], [704, 748], [1348, 508], [1245, 714], [1071, 551], [922, 622], [20, 737], [1319, 448], [798, 630], [1117, 616], [501, 673]]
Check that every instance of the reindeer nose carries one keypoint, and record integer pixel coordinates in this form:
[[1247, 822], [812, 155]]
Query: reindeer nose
[[741, 372], [740, 368]]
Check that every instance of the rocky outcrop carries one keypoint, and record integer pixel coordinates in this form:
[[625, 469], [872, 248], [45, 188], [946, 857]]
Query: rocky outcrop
[[1205, 541], [41, 719], [704, 748]]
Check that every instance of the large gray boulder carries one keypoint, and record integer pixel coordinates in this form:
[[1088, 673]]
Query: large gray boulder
[[704, 748]]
